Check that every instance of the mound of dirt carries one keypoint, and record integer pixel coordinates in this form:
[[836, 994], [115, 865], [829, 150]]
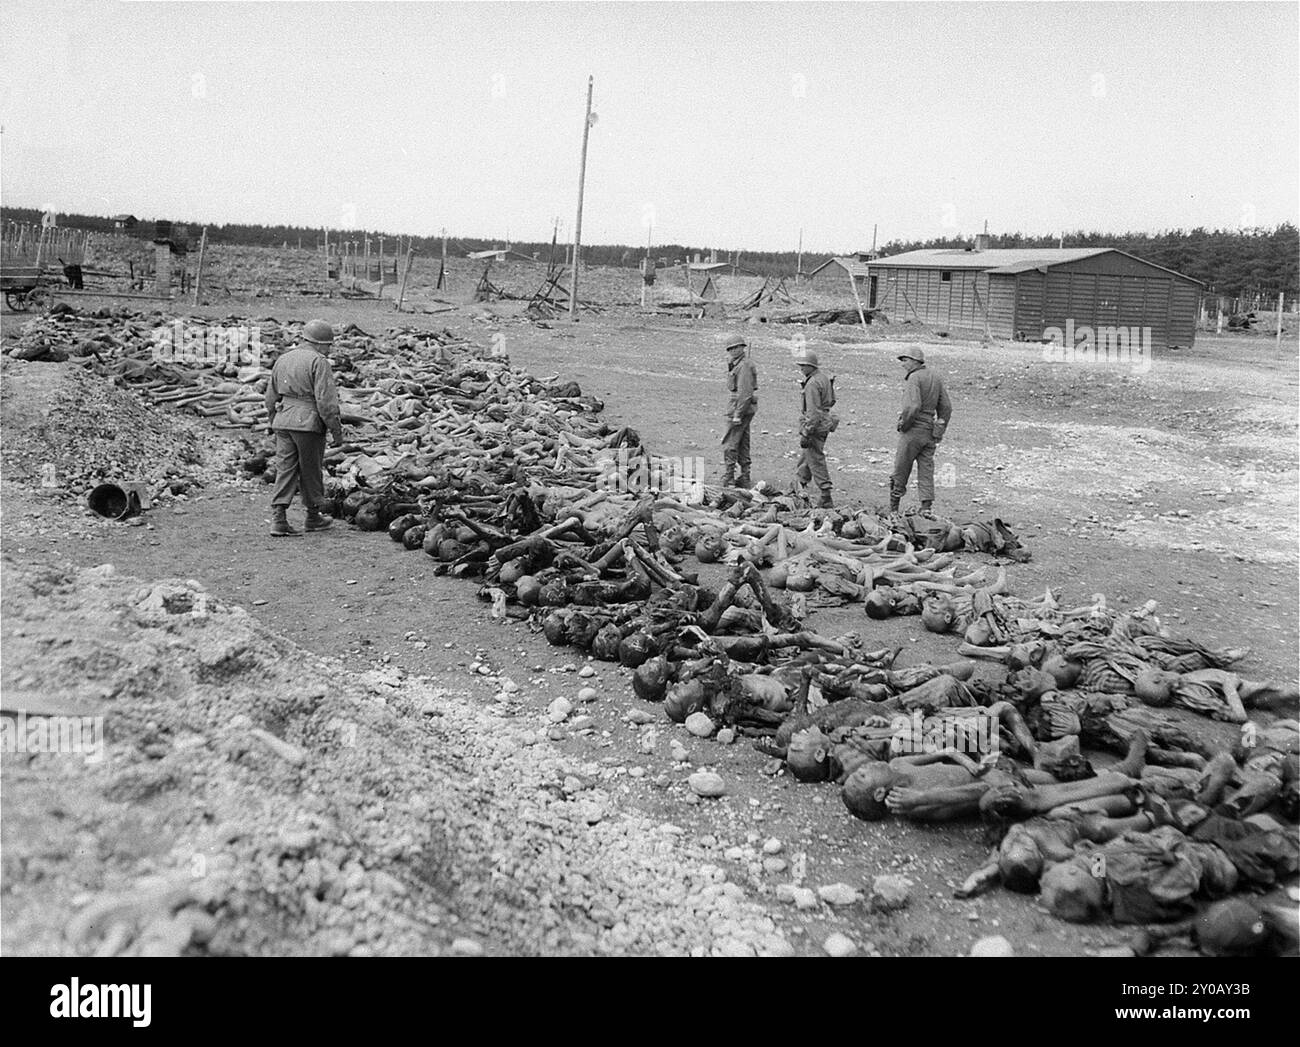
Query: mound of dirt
[[66, 430], [246, 797]]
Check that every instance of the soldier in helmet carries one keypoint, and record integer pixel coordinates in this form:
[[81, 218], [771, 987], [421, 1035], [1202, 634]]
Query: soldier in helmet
[[742, 403], [303, 404], [816, 422], [921, 425]]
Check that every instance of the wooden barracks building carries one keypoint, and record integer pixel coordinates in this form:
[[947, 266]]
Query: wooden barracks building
[[1017, 293]]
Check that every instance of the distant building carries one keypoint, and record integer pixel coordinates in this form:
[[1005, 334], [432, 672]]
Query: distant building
[[834, 273], [124, 221], [1020, 292]]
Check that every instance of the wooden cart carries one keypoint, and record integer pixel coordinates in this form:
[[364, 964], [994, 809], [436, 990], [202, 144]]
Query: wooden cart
[[22, 288]]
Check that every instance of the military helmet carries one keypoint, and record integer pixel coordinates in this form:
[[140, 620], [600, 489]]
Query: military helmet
[[318, 332]]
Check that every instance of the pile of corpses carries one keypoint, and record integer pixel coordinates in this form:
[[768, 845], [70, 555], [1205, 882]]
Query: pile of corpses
[[549, 509], [1126, 774], [1200, 807]]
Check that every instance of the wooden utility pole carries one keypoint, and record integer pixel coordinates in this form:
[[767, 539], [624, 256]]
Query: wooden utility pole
[[198, 275], [577, 226], [401, 292], [798, 265], [853, 282], [442, 270], [646, 271]]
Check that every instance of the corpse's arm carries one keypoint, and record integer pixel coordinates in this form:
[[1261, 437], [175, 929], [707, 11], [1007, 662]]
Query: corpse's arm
[[908, 801], [980, 880], [942, 756]]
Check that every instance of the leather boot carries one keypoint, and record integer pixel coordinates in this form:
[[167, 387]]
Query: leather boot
[[744, 481], [280, 524], [825, 501], [893, 505], [926, 509], [318, 521]]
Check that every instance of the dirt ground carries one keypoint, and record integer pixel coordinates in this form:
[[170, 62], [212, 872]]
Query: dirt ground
[[1177, 484]]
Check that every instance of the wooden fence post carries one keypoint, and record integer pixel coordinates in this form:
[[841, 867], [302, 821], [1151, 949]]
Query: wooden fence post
[[198, 275]]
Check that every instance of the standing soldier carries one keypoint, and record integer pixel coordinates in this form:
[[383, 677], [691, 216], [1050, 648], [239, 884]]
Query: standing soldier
[[303, 403], [742, 403], [921, 426], [816, 422]]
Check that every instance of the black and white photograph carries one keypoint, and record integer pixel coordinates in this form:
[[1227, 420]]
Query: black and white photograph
[[613, 479]]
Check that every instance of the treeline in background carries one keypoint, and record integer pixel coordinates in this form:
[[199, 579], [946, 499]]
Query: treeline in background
[[1232, 262]]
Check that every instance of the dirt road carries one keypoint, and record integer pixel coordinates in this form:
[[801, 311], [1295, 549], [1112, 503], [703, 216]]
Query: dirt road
[[1085, 464]]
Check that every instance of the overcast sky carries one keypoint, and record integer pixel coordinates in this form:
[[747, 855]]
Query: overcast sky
[[736, 124]]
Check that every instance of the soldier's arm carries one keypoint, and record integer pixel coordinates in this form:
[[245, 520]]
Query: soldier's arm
[[911, 403], [942, 412], [327, 397], [272, 399], [746, 383], [820, 402]]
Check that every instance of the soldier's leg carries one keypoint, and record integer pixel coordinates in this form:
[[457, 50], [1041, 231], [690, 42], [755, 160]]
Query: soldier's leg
[[802, 472], [286, 469], [730, 449], [904, 456], [925, 472], [742, 452], [287, 474], [817, 462], [311, 467]]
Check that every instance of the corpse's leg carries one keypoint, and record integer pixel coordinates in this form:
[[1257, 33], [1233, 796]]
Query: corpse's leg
[[1113, 806], [1218, 773], [1010, 718], [1097, 827], [1136, 757], [1042, 798]]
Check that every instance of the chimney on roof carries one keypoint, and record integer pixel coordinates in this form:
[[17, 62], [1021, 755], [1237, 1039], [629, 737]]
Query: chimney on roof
[[982, 240]]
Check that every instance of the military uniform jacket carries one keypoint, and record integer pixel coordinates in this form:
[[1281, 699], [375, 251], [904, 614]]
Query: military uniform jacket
[[742, 387], [301, 395], [818, 399]]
